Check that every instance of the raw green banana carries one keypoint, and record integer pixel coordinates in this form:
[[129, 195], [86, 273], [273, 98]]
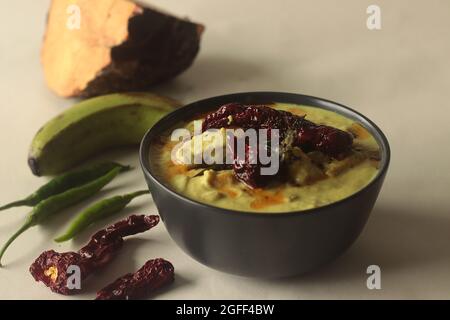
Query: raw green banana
[[92, 126]]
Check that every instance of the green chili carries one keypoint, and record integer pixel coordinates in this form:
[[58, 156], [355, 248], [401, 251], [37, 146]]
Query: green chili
[[65, 182], [46, 208], [100, 210]]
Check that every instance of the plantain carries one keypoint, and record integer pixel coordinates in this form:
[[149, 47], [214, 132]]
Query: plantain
[[93, 126]]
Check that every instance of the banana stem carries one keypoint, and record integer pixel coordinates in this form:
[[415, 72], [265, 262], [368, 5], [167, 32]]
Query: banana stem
[[22, 229], [24, 202]]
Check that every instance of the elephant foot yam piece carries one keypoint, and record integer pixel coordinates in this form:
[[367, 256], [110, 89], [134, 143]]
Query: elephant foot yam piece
[[337, 167], [302, 170], [97, 47]]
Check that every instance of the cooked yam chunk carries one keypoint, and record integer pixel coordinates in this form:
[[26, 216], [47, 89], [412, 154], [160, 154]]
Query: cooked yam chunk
[[320, 159], [337, 167], [358, 131], [302, 170], [207, 147]]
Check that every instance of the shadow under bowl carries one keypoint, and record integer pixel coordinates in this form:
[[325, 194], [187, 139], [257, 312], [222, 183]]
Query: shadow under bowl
[[255, 244]]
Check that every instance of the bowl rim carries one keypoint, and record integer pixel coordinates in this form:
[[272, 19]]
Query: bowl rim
[[345, 111]]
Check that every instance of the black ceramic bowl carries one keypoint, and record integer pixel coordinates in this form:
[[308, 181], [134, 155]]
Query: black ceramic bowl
[[255, 244]]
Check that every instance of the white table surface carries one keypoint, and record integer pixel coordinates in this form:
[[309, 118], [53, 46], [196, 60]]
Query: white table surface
[[398, 76]]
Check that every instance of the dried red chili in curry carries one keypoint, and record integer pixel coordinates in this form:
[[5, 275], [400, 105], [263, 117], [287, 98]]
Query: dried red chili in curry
[[308, 136]]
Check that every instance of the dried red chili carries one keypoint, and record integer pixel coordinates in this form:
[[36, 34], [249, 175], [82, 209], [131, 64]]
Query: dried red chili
[[52, 267], [153, 275], [247, 171], [307, 135], [326, 139], [331, 141]]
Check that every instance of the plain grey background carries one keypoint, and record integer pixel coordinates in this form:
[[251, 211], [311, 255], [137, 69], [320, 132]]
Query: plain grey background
[[398, 76]]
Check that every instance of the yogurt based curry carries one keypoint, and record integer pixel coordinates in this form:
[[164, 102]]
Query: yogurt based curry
[[324, 157]]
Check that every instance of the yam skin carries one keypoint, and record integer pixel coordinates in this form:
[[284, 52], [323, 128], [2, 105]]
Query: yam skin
[[120, 46]]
